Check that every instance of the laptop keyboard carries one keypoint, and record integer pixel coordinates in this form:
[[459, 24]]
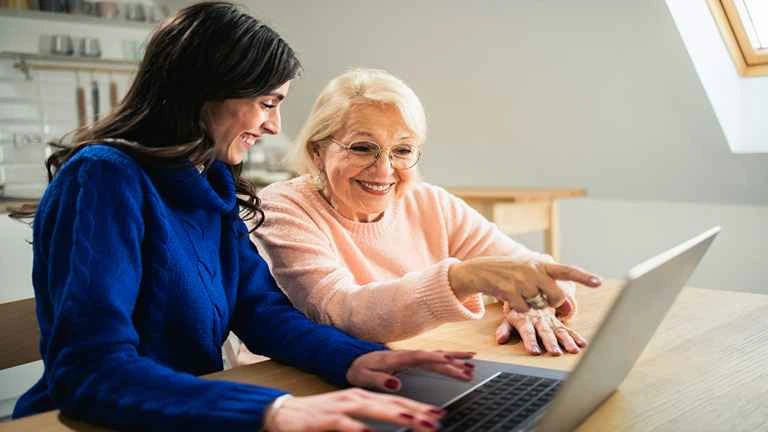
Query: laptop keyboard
[[503, 403]]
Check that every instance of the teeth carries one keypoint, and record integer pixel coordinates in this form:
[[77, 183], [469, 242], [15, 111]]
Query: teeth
[[249, 139], [376, 187]]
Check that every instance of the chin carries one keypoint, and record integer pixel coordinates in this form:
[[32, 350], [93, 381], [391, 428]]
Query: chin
[[235, 160]]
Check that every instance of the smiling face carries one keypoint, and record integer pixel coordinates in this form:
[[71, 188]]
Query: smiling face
[[362, 193], [236, 125]]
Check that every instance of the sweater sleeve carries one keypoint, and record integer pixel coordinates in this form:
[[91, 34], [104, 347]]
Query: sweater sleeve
[[269, 324], [95, 369], [472, 235], [308, 268]]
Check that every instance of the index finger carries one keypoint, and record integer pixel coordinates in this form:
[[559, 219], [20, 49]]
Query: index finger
[[570, 273], [402, 359]]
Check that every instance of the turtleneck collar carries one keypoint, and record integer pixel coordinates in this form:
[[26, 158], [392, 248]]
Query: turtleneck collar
[[185, 186]]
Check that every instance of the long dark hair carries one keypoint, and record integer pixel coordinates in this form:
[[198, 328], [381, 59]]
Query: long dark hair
[[206, 52]]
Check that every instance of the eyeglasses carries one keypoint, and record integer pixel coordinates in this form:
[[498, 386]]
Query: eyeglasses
[[367, 153]]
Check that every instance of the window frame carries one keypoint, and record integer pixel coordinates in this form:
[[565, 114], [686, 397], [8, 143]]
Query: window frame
[[749, 61]]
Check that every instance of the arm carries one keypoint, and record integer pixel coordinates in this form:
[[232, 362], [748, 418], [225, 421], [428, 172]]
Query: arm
[[474, 236], [471, 235], [269, 324], [94, 367], [307, 267]]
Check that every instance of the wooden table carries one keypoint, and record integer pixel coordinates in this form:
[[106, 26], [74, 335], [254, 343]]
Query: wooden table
[[521, 210], [704, 370]]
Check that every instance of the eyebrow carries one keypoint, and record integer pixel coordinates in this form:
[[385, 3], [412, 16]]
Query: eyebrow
[[279, 96], [370, 135]]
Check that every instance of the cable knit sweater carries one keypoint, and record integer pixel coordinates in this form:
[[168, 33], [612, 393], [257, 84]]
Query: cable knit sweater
[[385, 280], [139, 275]]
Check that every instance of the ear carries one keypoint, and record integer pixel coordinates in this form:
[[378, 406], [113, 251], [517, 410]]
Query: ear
[[318, 157], [205, 113]]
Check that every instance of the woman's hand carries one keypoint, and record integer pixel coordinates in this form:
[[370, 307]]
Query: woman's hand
[[376, 369], [338, 410], [544, 323], [513, 280]]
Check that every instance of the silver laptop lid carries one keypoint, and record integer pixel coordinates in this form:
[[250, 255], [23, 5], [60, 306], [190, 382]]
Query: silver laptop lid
[[650, 290]]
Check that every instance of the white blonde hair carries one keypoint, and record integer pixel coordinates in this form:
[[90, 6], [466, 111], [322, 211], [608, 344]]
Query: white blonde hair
[[331, 106]]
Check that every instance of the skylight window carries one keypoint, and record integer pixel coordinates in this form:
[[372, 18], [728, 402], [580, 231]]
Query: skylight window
[[754, 17], [744, 26]]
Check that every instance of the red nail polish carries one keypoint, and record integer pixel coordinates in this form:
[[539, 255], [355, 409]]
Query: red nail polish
[[469, 365], [449, 358], [408, 416], [391, 384], [437, 411], [427, 424], [367, 430]]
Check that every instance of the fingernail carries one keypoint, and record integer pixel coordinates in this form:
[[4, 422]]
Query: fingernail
[[428, 424], [536, 350], [594, 280], [469, 365], [408, 416], [557, 351], [449, 358], [367, 430], [437, 411], [391, 383]]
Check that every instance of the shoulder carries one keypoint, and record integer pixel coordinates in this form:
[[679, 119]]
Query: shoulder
[[100, 157], [296, 192], [431, 201], [426, 194], [95, 179], [102, 167], [107, 154]]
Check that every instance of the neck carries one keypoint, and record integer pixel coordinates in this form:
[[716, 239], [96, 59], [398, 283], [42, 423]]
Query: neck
[[354, 216]]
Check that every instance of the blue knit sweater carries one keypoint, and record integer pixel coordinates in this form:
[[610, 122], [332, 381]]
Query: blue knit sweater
[[139, 275]]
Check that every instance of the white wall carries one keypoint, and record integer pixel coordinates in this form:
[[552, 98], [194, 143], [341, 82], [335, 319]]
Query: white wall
[[595, 93]]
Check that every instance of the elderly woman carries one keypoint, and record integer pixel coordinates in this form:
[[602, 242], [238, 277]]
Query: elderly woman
[[360, 242]]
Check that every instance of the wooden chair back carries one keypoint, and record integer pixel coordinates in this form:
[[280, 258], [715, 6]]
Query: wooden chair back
[[19, 333]]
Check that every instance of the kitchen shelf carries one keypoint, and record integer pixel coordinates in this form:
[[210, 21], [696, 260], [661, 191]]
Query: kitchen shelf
[[9, 203], [26, 62], [74, 18]]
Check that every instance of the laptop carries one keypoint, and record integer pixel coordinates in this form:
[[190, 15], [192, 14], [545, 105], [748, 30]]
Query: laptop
[[506, 397]]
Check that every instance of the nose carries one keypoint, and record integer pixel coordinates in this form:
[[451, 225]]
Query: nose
[[383, 165], [272, 125]]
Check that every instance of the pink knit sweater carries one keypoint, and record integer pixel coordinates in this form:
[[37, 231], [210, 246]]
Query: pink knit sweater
[[385, 280]]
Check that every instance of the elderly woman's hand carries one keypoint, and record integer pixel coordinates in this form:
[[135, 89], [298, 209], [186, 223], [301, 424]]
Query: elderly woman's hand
[[340, 410], [547, 324], [514, 280]]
